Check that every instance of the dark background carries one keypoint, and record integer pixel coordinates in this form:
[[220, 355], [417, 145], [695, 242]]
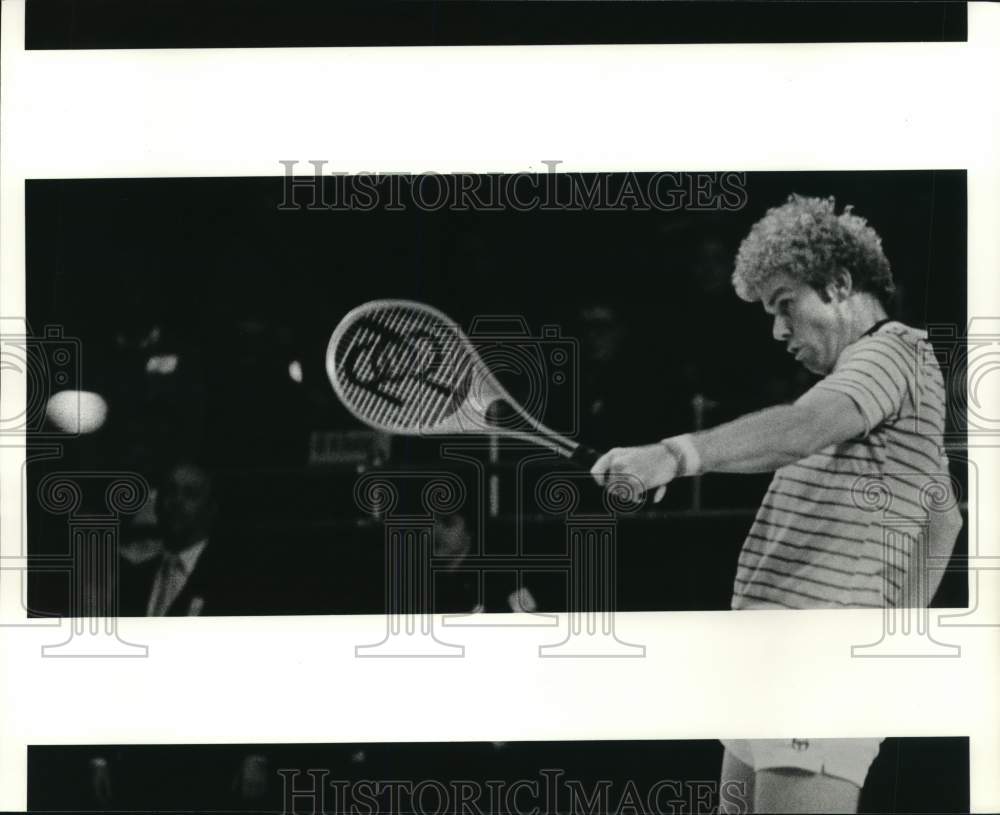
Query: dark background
[[238, 289], [289, 23], [909, 775]]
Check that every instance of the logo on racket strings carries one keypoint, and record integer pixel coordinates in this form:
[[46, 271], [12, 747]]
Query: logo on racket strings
[[382, 361]]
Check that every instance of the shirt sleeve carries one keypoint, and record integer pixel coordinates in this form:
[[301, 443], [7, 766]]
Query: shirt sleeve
[[875, 375]]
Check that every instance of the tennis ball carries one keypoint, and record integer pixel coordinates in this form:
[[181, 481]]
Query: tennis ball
[[76, 411]]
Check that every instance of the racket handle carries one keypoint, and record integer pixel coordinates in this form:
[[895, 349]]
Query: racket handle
[[584, 457]]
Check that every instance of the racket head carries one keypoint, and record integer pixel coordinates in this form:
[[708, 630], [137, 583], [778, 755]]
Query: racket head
[[406, 368]]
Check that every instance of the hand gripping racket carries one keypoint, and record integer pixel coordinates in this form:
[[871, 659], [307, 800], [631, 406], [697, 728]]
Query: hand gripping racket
[[406, 368]]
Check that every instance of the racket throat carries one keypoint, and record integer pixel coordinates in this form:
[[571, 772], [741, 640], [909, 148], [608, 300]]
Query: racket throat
[[509, 420]]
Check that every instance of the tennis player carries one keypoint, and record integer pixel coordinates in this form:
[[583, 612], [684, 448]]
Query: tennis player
[[876, 417]]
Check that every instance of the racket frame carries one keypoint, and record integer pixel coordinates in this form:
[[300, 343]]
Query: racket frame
[[485, 391]]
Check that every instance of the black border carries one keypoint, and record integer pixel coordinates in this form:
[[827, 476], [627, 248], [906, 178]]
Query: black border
[[111, 24]]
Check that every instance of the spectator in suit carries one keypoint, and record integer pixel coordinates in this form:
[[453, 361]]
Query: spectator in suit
[[194, 573]]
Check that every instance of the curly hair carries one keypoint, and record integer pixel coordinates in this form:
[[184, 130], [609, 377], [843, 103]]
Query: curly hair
[[805, 239]]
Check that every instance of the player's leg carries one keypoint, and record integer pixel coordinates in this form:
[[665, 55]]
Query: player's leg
[[788, 789], [736, 785]]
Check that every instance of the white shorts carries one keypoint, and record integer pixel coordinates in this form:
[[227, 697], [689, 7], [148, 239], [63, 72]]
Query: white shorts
[[841, 758]]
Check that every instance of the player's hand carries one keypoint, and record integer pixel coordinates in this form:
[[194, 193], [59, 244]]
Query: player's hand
[[652, 465], [522, 600]]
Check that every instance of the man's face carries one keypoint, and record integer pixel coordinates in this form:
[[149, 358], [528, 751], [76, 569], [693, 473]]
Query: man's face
[[185, 506], [813, 330], [602, 335]]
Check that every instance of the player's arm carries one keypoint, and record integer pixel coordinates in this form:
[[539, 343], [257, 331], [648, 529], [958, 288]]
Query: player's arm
[[780, 435], [942, 532], [758, 442]]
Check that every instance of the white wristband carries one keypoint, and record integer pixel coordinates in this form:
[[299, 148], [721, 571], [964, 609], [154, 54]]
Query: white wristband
[[683, 447]]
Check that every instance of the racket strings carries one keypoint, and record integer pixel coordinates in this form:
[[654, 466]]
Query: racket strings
[[416, 409], [367, 400], [395, 325], [423, 411], [371, 401], [411, 379]]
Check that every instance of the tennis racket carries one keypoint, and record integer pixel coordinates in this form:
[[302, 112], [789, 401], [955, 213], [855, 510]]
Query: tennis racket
[[406, 368]]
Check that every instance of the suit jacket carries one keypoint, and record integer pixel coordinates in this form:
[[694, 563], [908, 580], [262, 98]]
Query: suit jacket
[[224, 582]]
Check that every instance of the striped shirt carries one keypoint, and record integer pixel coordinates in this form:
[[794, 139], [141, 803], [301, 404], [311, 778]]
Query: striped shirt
[[840, 528]]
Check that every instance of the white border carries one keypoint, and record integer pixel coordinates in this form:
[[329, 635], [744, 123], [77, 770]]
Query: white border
[[237, 113]]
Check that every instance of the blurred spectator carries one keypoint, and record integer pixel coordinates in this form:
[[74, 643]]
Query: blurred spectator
[[203, 779], [461, 586], [194, 572]]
